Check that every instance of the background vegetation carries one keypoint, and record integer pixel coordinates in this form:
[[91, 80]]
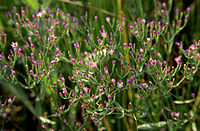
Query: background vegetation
[[130, 9]]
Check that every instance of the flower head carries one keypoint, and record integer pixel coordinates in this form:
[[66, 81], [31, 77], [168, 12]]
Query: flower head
[[64, 91], [148, 40], [136, 32], [93, 64], [141, 50], [178, 60], [113, 80], [85, 89], [153, 62], [10, 100], [104, 34], [14, 44], [39, 14], [119, 84], [108, 19], [111, 52], [109, 96]]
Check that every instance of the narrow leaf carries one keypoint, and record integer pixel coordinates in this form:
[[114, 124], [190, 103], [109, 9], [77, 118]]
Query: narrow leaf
[[184, 102], [19, 93], [32, 3]]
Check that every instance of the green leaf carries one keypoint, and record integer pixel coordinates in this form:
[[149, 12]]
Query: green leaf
[[152, 126], [19, 93], [32, 3], [45, 3], [122, 116], [1, 26], [185, 101], [45, 120]]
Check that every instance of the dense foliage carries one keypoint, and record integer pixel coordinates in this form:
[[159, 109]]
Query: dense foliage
[[86, 71]]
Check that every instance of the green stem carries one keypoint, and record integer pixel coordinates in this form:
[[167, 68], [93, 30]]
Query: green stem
[[155, 4]]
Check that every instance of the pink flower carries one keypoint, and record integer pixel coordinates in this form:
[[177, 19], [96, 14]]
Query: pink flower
[[95, 17], [120, 29], [85, 89], [14, 44], [1, 56], [178, 60], [111, 52], [64, 91], [39, 15], [43, 71], [188, 9], [50, 68], [104, 34], [153, 62], [108, 19], [93, 64], [148, 40], [73, 60], [10, 100], [136, 32], [192, 47], [5, 67], [36, 76], [63, 79], [13, 72], [175, 114], [143, 21], [198, 55], [119, 85], [141, 50], [163, 4], [29, 39], [113, 80], [90, 75], [70, 101], [106, 72], [109, 96], [81, 93]]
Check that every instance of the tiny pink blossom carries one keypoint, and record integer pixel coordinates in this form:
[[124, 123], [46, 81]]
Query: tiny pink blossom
[[141, 50], [95, 17], [93, 64], [10, 100], [39, 15], [104, 34], [109, 96], [178, 60], [90, 75], [163, 4], [136, 32], [143, 21], [148, 40], [119, 84], [85, 89], [13, 72], [108, 19], [14, 44], [113, 80], [5, 67], [111, 52]]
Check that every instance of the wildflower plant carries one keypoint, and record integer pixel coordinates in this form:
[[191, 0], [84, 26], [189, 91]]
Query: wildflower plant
[[7, 109], [63, 63]]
